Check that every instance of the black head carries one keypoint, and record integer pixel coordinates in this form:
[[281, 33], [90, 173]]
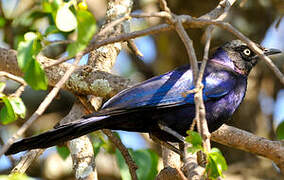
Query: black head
[[243, 57]]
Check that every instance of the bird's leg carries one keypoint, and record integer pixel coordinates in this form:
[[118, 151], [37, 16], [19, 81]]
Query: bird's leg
[[172, 132], [166, 144]]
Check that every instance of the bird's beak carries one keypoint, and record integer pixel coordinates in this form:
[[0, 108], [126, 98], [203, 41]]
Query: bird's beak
[[268, 52]]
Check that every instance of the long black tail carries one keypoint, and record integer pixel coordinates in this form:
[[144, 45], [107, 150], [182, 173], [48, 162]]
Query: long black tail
[[60, 134]]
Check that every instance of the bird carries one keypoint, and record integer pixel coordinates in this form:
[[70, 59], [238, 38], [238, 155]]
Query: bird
[[163, 100]]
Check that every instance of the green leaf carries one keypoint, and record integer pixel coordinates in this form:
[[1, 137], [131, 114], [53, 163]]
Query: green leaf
[[86, 30], [97, 146], [25, 54], [146, 160], [280, 131], [2, 22], [63, 151], [46, 6], [51, 29], [195, 140], [27, 51], [7, 114], [18, 106], [86, 26], [15, 177], [14, 106], [17, 40], [74, 47], [51, 7], [35, 76], [216, 164]]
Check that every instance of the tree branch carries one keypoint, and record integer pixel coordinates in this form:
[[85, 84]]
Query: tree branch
[[84, 80], [243, 140]]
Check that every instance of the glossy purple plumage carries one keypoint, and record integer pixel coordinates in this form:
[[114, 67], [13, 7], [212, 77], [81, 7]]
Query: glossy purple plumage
[[161, 100]]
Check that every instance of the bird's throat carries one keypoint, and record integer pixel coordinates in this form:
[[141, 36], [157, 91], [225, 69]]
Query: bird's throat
[[228, 65]]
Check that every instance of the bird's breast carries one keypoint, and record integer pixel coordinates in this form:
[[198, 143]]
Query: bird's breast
[[217, 112]]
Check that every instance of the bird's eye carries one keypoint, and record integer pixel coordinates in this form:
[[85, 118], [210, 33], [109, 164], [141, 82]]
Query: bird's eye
[[247, 52]]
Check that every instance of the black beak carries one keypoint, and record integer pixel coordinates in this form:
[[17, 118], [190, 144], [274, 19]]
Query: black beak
[[268, 52]]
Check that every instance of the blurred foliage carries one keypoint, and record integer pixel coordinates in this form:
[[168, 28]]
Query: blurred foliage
[[146, 160], [215, 161], [195, 140], [280, 131], [12, 109], [216, 164], [27, 50], [63, 151], [15, 177]]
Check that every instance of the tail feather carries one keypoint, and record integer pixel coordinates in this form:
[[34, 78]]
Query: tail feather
[[59, 135]]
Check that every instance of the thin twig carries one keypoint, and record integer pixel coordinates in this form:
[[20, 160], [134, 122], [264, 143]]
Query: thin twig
[[59, 42], [20, 80], [19, 91], [189, 48], [128, 159], [13, 77], [110, 25], [161, 14], [198, 97], [133, 47]]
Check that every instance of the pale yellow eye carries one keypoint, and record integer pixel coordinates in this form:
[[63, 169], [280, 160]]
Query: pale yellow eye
[[247, 52]]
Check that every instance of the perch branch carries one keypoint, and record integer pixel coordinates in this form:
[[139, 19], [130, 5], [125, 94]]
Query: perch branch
[[243, 140]]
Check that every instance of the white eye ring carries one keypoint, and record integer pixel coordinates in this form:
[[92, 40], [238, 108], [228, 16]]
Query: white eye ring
[[246, 52]]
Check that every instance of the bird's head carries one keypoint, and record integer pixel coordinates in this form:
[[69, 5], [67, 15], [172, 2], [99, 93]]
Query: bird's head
[[238, 56]]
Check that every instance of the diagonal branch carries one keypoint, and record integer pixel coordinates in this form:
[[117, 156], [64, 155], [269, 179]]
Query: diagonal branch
[[243, 140]]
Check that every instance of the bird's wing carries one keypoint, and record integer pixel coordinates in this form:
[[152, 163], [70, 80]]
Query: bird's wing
[[218, 84], [167, 90], [157, 91]]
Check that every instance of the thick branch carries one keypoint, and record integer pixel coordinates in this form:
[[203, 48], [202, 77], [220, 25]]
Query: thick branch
[[84, 80], [243, 140]]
